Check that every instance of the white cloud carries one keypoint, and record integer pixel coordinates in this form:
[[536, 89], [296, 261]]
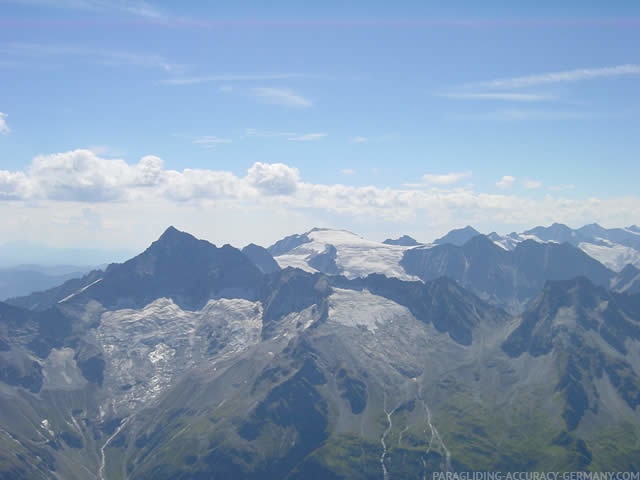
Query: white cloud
[[281, 96], [563, 76], [14, 185], [359, 140], [501, 96], [560, 188], [233, 77], [210, 140], [307, 137], [445, 179], [273, 179], [93, 55], [149, 172], [506, 182], [347, 171], [4, 128], [531, 184], [105, 150], [514, 115], [82, 175], [131, 198], [194, 185], [252, 132], [130, 7], [291, 136]]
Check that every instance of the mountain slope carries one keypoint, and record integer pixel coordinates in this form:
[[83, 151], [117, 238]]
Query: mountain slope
[[188, 362], [613, 247], [261, 257], [48, 298], [403, 241], [588, 338], [19, 281], [627, 280], [458, 236], [177, 266], [507, 278]]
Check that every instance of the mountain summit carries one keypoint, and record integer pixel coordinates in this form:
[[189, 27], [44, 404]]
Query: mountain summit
[[180, 267]]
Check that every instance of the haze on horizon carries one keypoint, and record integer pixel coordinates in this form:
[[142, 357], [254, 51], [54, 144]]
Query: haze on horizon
[[246, 124]]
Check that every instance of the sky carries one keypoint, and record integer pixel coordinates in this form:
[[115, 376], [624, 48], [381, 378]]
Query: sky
[[247, 121]]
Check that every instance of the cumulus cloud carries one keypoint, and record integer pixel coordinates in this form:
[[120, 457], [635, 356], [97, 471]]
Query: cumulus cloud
[[4, 128], [65, 183], [149, 171], [83, 176], [80, 175], [273, 179], [506, 182], [193, 184], [445, 179], [14, 185]]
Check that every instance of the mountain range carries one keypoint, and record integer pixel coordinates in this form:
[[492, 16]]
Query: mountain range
[[22, 280], [329, 356]]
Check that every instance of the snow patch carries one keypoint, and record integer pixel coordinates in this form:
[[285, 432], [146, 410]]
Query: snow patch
[[146, 349], [69, 297], [612, 255], [363, 309], [356, 256]]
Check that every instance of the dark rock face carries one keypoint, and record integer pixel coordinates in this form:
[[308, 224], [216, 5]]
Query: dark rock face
[[325, 262], [504, 277], [592, 233], [93, 369], [353, 390], [289, 291], [536, 331], [23, 374], [40, 301], [458, 237], [287, 244], [37, 332], [556, 232], [442, 302], [627, 280], [261, 258], [180, 267], [567, 320], [403, 241]]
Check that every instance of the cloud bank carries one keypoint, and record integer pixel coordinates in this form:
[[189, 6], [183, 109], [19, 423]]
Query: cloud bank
[[54, 188]]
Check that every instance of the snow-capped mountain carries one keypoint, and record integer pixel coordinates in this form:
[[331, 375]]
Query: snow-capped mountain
[[340, 252], [613, 247], [194, 361], [507, 271]]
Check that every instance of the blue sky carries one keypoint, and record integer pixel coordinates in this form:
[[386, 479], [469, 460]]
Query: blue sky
[[376, 117]]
